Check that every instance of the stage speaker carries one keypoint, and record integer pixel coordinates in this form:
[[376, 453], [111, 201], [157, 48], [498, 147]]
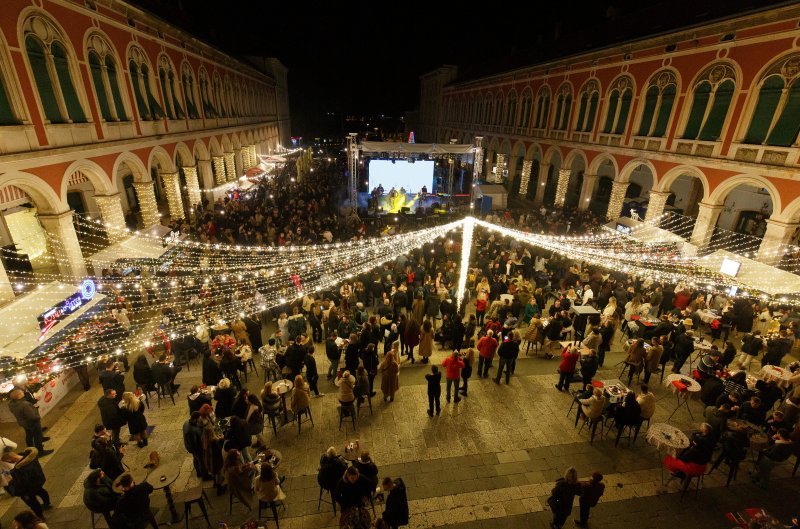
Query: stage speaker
[[405, 210]]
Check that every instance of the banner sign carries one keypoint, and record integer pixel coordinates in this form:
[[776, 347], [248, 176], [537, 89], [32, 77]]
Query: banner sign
[[64, 308]]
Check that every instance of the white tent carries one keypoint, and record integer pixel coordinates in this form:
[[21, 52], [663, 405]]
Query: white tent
[[150, 247], [647, 233], [759, 276]]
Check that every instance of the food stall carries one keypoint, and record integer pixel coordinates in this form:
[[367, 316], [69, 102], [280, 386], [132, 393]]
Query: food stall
[[42, 328]]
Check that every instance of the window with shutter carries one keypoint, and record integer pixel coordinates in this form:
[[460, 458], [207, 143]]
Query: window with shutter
[[7, 116], [582, 111], [624, 110], [768, 98], [719, 111], [613, 101], [593, 101], [650, 101], [664, 111], [165, 93], [141, 103], [784, 133], [559, 106], [699, 104], [567, 109], [65, 81], [97, 80], [113, 81], [155, 108], [44, 84]]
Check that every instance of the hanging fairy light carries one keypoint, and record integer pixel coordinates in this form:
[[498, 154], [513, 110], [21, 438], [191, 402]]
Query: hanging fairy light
[[468, 228]]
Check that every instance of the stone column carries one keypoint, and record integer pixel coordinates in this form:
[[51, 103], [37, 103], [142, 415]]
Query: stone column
[[489, 163], [110, 207], [501, 168], [172, 187], [541, 184], [219, 170], [513, 162], [561, 188], [192, 187], [525, 177], [615, 200], [707, 216], [776, 238], [63, 243], [587, 190], [656, 204], [238, 162], [146, 195], [230, 167]]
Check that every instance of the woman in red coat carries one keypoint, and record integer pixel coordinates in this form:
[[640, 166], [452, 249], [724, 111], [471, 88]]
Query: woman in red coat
[[569, 359]]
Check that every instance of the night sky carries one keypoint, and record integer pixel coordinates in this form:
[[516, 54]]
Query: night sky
[[365, 57]]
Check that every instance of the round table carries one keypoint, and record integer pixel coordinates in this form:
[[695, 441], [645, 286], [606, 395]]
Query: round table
[[780, 375], [282, 387], [707, 316], [692, 391], [355, 453], [667, 438], [740, 425], [169, 472]]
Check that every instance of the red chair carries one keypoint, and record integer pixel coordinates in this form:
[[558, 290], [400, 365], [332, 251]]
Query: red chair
[[690, 471]]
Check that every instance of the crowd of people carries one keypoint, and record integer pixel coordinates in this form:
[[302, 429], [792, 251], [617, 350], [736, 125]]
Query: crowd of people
[[518, 299]]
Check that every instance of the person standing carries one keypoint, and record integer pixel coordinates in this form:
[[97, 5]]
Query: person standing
[[27, 479], [466, 373], [453, 365], [132, 411], [434, 379], [426, 341], [312, 375], [569, 359], [507, 353], [98, 494], [110, 413], [486, 346], [111, 378], [333, 353], [193, 442], [27, 416], [562, 497], [133, 508], [591, 492], [396, 512], [390, 375]]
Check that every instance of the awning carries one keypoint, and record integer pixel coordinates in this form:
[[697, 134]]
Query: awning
[[417, 148], [19, 334], [753, 274]]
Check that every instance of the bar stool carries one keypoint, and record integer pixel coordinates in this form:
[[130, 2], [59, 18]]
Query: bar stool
[[366, 398], [299, 417], [347, 409], [195, 496], [273, 506], [164, 390]]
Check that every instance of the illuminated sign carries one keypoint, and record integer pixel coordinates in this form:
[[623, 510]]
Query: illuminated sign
[[63, 309], [626, 230]]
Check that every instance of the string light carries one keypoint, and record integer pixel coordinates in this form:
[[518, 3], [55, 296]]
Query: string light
[[616, 199], [466, 250], [525, 177], [146, 196], [219, 169], [230, 166], [561, 187], [173, 190]]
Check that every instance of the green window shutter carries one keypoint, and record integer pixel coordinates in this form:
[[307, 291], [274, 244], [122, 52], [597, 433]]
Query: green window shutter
[[581, 111], [99, 87], [43, 83], [65, 80], [559, 105], [592, 112], [155, 108], [719, 111], [624, 110], [7, 116], [187, 95], [613, 101], [567, 109], [664, 112], [111, 69], [768, 98], [144, 110], [650, 100], [546, 114], [786, 128], [175, 99], [539, 106], [699, 103], [162, 79]]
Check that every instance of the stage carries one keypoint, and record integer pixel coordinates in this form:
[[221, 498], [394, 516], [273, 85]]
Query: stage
[[397, 202]]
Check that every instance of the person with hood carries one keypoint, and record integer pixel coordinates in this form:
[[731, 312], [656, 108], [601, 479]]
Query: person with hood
[[395, 512], [99, 495], [27, 479]]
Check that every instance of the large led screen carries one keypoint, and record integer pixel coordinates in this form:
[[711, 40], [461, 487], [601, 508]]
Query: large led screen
[[409, 176]]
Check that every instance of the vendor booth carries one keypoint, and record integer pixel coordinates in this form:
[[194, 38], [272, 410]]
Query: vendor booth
[[489, 197], [42, 328], [160, 240]]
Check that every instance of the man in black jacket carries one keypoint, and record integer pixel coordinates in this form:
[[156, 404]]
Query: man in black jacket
[[110, 413], [27, 479], [165, 373], [133, 508], [295, 356], [98, 494], [27, 416], [111, 378], [352, 490], [396, 512], [684, 347]]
